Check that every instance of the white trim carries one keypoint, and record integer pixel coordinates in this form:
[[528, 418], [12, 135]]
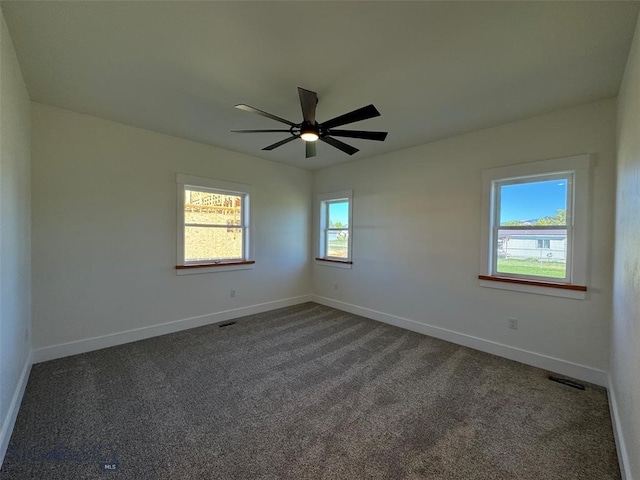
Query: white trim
[[577, 249], [621, 448], [552, 364], [323, 197], [242, 189], [323, 200], [213, 183], [575, 162], [119, 338], [12, 413]]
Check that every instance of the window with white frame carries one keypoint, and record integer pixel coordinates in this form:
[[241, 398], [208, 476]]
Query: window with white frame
[[528, 212], [213, 223], [335, 227], [535, 226]]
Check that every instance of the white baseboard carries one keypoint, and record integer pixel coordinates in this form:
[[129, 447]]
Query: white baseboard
[[119, 338], [10, 420], [623, 456], [552, 364]]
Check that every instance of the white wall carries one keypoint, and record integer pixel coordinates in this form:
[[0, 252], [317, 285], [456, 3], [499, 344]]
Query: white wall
[[416, 219], [625, 341], [104, 233], [15, 243]]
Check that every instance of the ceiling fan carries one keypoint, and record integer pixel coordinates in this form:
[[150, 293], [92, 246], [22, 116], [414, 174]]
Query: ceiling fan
[[310, 131]]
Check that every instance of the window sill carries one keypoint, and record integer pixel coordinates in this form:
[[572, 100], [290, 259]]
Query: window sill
[[578, 292], [326, 262], [213, 267]]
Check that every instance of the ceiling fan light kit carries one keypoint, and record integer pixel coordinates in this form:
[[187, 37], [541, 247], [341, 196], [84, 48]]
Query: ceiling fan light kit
[[309, 136], [310, 131]]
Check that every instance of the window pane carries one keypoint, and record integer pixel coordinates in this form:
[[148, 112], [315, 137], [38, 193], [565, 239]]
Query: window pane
[[212, 208], [338, 214], [338, 243], [533, 252], [212, 243], [534, 203]]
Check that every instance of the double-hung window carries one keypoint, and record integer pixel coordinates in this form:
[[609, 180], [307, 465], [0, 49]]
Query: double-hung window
[[335, 239], [535, 227], [213, 224], [531, 213]]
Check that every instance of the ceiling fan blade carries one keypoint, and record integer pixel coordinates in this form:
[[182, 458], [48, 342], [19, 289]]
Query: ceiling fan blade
[[248, 108], [310, 149], [308, 102], [348, 149], [379, 136], [280, 143], [360, 114], [260, 131]]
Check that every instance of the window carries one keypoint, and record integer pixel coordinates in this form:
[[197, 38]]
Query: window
[[335, 228], [213, 224], [535, 227], [544, 243], [525, 210]]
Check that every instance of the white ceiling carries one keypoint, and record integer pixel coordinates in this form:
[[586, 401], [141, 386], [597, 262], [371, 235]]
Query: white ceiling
[[433, 69]]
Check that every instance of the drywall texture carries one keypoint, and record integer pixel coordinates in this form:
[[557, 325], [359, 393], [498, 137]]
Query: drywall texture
[[625, 337], [15, 228], [416, 237], [104, 229]]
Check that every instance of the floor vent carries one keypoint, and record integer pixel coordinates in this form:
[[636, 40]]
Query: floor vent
[[569, 383], [226, 324]]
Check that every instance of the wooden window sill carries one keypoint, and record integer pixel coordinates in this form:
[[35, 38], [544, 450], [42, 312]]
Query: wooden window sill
[[219, 264], [345, 262], [535, 283]]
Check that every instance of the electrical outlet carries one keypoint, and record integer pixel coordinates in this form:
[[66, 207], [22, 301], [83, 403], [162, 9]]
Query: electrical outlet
[[233, 293], [335, 286], [513, 323], [26, 335]]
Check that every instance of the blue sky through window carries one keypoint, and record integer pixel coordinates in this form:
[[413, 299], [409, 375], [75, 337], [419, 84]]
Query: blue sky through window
[[339, 212], [530, 201]]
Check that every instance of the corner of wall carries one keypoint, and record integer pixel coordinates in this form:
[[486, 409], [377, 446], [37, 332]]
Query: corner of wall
[[616, 423], [624, 371], [14, 407], [15, 237]]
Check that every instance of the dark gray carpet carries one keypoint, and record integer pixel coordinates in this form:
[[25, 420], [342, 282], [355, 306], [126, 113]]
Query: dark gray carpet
[[305, 392]]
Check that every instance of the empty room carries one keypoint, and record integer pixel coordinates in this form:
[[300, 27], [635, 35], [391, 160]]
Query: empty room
[[320, 240]]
